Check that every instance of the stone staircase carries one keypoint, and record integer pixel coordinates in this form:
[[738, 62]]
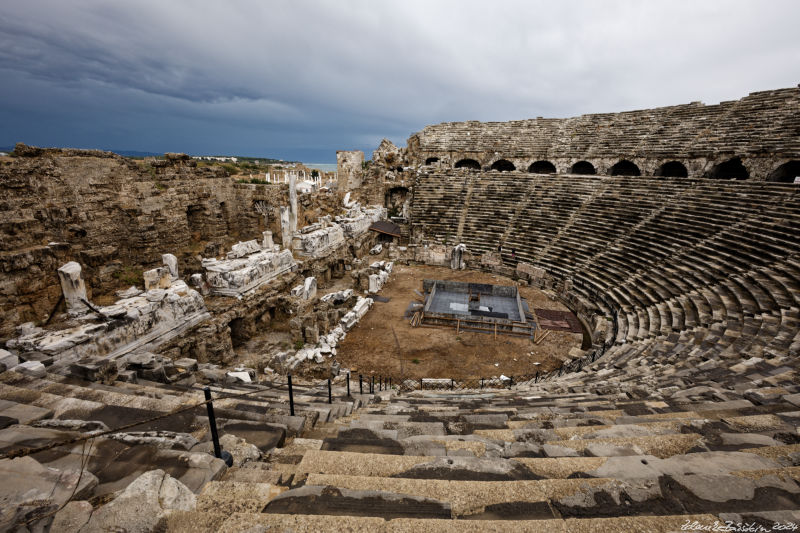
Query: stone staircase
[[172, 435], [528, 459]]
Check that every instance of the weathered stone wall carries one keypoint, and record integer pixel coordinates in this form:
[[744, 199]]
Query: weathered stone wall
[[115, 217], [760, 129], [349, 170]]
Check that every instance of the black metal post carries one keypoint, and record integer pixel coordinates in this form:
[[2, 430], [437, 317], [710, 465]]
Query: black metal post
[[481, 382], [537, 377], [380, 383], [348, 384], [452, 384], [511, 382], [372, 385], [212, 421], [360, 384], [330, 398], [291, 396]]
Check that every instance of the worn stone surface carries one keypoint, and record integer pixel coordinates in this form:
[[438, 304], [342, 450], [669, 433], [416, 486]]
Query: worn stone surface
[[143, 504], [72, 517], [605, 139], [28, 488]]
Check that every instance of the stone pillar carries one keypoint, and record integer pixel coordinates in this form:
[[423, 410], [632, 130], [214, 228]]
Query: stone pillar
[[267, 243], [73, 287], [457, 257], [171, 262], [292, 203], [310, 288], [286, 231]]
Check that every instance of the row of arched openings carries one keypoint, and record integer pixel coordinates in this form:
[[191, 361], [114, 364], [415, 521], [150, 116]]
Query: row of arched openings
[[732, 169]]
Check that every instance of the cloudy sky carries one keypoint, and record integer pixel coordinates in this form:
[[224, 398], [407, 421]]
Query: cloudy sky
[[301, 79]]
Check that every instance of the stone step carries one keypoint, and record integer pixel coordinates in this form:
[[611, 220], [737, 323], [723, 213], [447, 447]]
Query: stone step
[[236, 496], [497, 469], [543, 499], [254, 472], [202, 522]]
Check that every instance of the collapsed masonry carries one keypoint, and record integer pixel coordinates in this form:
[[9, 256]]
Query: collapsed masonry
[[119, 340], [139, 322], [247, 267], [342, 311]]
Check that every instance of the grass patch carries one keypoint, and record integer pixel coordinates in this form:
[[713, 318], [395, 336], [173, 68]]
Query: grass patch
[[129, 275]]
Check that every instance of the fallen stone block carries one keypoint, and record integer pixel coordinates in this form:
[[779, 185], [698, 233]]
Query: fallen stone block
[[157, 278], [33, 369], [143, 504], [29, 488]]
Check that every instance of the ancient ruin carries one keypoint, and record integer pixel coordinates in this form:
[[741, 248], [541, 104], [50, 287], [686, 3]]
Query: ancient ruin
[[167, 364]]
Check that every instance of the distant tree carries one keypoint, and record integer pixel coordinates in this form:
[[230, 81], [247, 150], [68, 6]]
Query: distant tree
[[264, 210]]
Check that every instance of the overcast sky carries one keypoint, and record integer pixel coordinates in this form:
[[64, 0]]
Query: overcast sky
[[301, 79]]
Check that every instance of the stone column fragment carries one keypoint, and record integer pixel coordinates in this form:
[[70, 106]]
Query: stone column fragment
[[171, 262], [73, 287], [292, 203], [286, 231]]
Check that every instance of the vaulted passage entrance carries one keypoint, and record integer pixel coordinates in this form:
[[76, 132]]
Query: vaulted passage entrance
[[786, 173], [732, 169], [468, 163], [584, 168], [672, 169], [542, 167], [625, 168], [503, 165]]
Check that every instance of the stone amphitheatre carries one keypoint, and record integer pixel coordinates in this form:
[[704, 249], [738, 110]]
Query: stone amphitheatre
[[581, 324]]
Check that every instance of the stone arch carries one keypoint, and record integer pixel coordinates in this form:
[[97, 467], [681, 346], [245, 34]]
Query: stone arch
[[468, 163], [584, 168], [503, 165], [542, 167], [732, 169], [673, 169], [786, 173], [623, 167], [431, 160]]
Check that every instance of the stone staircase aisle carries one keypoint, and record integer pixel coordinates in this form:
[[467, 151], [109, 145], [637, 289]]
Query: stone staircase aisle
[[519, 460]]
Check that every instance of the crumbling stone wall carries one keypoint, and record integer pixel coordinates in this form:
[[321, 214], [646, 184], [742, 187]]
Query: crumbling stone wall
[[760, 129], [349, 170], [115, 217]]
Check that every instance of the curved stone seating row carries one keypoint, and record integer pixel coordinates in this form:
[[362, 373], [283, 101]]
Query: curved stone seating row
[[566, 455], [717, 262]]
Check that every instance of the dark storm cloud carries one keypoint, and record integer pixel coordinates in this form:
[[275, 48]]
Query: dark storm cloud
[[294, 78]]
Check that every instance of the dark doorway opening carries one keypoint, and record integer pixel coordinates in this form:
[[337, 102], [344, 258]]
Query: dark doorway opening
[[468, 163], [503, 165], [583, 167], [542, 167], [732, 169], [625, 168], [786, 173]]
